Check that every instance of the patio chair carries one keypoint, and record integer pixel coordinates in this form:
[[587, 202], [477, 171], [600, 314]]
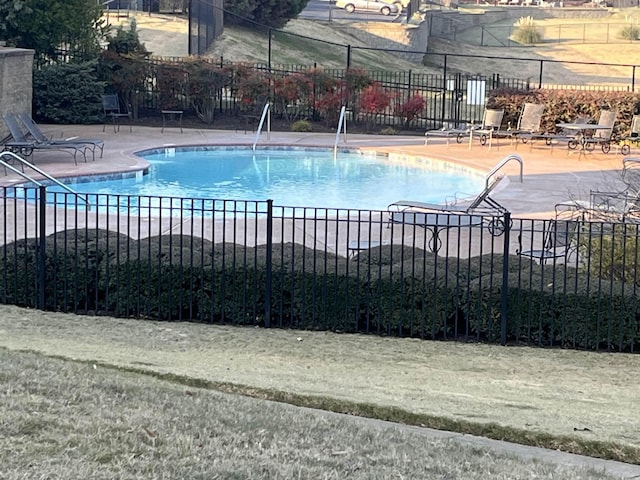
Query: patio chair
[[39, 136], [22, 145], [633, 136], [631, 172], [603, 134], [491, 127], [558, 241], [480, 210], [529, 123], [116, 111], [449, 133]]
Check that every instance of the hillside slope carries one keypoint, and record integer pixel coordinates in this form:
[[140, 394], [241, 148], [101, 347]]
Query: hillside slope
[[167, 36]]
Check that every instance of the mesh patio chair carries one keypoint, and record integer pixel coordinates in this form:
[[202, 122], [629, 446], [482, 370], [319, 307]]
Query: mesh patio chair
[[116, 111], [602, 136], [529, 123], [38, 135], [558, 241], [632, 136], [491, 127], [25, 146]]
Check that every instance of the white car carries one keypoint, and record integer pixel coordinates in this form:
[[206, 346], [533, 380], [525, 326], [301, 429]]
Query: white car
[[368, 6]]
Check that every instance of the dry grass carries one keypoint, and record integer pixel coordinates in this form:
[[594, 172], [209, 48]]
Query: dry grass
[[168, 37], [580, 401], [63, 419]]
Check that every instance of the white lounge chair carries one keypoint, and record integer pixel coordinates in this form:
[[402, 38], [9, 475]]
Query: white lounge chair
[[480, 210]]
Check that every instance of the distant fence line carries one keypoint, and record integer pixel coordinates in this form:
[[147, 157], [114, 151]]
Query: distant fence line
[[448, 98], [501, 35], [531, 70], [444, 96]]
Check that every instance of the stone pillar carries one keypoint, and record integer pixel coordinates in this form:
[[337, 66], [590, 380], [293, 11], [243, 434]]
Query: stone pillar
[[16, 82]]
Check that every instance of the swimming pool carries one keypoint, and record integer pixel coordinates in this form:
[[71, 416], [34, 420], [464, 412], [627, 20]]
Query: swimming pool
[[291, 176]]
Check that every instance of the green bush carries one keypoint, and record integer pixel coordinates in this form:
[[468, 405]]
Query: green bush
[[301, 126], [388, 290], [67, 93], [613, 253], [526, 31], [630, 32]]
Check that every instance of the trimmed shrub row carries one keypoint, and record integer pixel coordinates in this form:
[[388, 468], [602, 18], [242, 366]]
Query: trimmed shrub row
[[390, 290]]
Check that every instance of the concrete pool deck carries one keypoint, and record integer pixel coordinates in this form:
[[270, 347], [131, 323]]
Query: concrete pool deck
[[551, 176]]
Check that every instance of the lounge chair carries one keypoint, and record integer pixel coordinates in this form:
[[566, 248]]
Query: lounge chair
[[491, 127], [22, 145], [603, 135], [481, 210], [449, 133], [113, 110], [529, 123], [39, 136], [633, 136]]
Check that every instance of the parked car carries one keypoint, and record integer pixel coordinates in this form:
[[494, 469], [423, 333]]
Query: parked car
[[400, 3], [368, 6]]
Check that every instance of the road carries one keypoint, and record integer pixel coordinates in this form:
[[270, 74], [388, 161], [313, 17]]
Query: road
[[323, 10]]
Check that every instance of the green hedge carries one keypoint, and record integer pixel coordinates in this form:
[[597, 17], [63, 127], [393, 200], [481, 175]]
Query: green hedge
[[389, 290]]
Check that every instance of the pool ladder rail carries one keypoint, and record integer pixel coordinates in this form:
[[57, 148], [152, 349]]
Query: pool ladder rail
[[266, 113], [342, 125], [24, 163]]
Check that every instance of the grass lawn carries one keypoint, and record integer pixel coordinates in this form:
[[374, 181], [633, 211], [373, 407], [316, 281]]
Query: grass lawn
[[576, 401]]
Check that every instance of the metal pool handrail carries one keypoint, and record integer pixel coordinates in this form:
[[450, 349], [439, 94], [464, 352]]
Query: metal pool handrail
[[342, 124], [265, 113], [38, 170]]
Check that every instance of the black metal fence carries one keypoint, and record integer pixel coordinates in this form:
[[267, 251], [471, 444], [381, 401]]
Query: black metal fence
[[566, 283], [452, 98], [594, 33]]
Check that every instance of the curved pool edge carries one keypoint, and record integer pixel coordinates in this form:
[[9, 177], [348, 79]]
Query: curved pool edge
[[423, 161], [129, 162]]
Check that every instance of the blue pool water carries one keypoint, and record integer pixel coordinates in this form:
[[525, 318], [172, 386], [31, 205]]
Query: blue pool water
[[292, 177]]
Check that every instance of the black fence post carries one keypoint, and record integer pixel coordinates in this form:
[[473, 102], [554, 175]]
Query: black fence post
[[504, 294], [42, 244], [268, 283], [540, 75], [348, 56], [444, 91], [270, 35]]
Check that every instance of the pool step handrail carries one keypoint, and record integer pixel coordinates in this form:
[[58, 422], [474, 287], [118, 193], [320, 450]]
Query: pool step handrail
[[501, 164], [24, 163], [342, 125], [266, 113]]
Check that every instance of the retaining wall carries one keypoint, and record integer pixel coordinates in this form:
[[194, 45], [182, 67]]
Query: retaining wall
[[16, 82]]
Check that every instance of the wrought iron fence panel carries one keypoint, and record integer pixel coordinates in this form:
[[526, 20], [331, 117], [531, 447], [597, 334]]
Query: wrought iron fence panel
[[434, 275]]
